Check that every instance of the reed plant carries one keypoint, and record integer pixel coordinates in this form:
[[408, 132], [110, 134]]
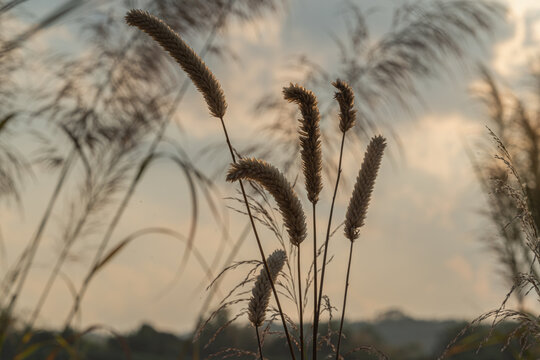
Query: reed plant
[[424, 40]]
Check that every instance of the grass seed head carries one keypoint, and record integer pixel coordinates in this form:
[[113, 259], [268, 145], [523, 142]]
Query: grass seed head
[[184, 55], [345, 99], [310, 138], [359, 202], [260, 295], [276, 184]]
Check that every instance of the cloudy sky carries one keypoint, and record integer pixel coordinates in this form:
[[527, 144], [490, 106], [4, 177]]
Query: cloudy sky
[[420, 250]]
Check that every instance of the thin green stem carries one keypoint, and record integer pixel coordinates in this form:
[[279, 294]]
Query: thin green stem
[[300, 306], [315, 274], [323, 270], [344, 301], [248, 209], [259, 342]]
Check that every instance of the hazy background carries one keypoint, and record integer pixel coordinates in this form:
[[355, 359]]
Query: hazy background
[[420, 250]]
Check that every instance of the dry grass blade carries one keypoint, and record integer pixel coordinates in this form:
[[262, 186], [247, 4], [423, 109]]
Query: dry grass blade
[[262, 289], [345, 99], [49, 20], [359, 202], [5, 120], [9, 5], [310, 136], [277, 185], [190, 62]]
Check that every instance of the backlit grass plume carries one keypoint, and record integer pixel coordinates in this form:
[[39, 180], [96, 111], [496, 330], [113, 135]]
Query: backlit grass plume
[[260, 295], [276, 184], [190, 62], [345, 99], [310, 138], [359, 202]]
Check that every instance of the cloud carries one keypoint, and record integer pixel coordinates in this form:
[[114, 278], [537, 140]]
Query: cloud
[[459, 265], [511, 56], [435, 145]]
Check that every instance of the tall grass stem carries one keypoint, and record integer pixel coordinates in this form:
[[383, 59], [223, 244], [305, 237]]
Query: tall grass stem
[[323, 269], [259, 245], [259, 342], [315, 275], [344, 301], [300, 306]]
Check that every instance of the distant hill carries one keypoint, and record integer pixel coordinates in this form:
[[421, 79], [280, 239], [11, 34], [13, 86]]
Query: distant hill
[[397, 335], [398, 330]]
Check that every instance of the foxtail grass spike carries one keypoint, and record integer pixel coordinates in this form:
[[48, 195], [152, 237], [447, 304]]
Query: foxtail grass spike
[[184, 55], [310, 138], [345, 99], [275, 183], [359, 202], [260, 295]]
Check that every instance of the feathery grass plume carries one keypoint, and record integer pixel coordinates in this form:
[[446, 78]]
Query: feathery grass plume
[[345, 99], [359, 202], [260, 295], [310, 137], [188, 59], [276, 184]]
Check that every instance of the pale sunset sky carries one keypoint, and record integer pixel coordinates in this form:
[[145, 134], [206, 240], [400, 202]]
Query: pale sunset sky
[[420, 251]]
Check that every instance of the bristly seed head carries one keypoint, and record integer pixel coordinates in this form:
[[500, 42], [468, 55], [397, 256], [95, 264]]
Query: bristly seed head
[[260, 295], [184, 55], [310, 138], [359, 202], [276, 184], [345, 99]]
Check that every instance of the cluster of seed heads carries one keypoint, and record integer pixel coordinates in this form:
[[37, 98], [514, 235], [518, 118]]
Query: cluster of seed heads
[[268, 176]]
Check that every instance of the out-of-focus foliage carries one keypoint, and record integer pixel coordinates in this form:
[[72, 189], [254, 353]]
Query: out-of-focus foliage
[[391, 335], [422, 41], [99, 116], [512, 179]]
